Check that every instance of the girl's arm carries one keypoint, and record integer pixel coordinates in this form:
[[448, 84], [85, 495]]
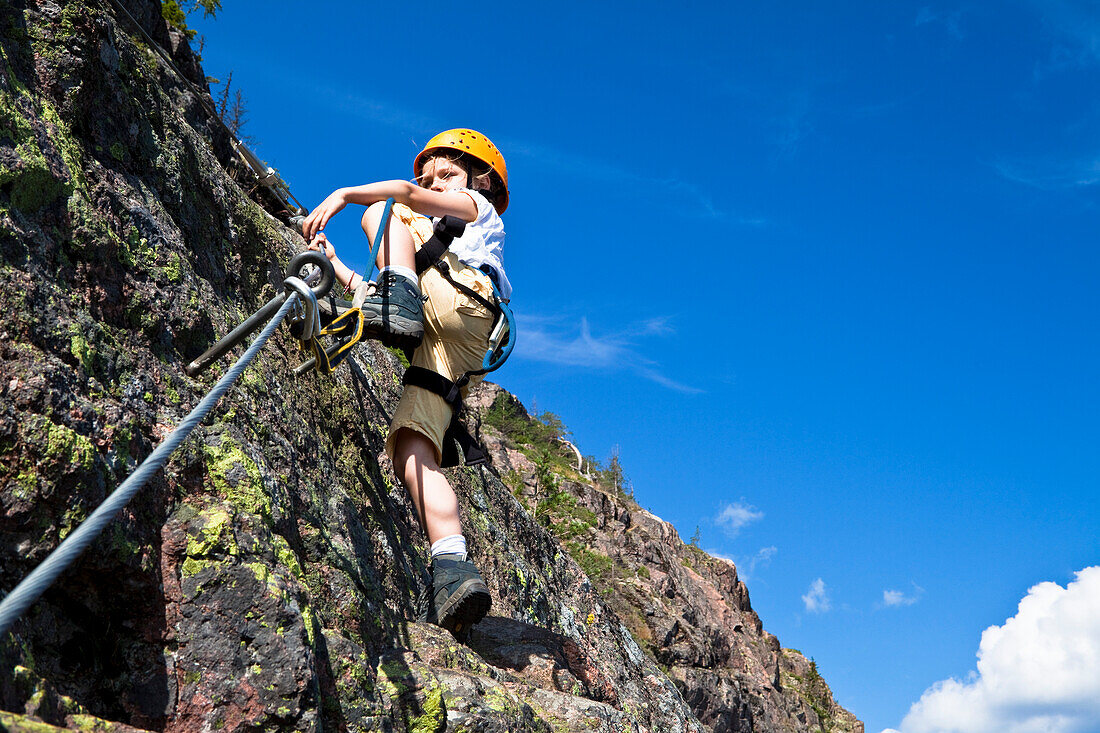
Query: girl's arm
[[421, 200]]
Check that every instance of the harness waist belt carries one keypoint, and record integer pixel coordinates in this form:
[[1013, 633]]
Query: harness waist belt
[[451, 392]]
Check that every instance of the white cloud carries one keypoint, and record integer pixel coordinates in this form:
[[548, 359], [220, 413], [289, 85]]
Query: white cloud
[[746, 568], [896, 598], [817, 597], [762, 558], [547, 340], [1071, 29], [736, 516], [1052, 174], [1037, 673], [658, 326], [722, 556]]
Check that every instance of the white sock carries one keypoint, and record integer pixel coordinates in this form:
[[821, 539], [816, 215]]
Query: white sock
[[453, 545], [406, 272]]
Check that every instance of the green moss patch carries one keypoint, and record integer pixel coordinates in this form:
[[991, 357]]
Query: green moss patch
[[65, 445], [236, 477], [31, 180], [417, 696]]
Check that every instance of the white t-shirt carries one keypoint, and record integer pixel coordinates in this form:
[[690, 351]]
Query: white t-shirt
[[483, 241]]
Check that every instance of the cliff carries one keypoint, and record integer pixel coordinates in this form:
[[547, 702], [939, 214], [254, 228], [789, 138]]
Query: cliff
[[268, 577]]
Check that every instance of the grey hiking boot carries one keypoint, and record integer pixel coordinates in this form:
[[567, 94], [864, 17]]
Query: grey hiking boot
[[394, 314], [457, 597]]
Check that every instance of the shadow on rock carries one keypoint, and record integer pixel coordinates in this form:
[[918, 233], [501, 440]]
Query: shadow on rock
[[540, 657]]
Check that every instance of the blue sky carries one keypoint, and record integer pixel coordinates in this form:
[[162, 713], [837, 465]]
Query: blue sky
[[824, 275]]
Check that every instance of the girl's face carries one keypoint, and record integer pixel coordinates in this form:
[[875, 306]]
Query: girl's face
[[442, 174]]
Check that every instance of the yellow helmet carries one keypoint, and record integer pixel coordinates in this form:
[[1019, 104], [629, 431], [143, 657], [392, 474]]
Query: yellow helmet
[[470, 142]]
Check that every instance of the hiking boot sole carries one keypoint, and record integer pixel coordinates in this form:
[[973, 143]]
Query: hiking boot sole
[[402, 333], [466, 606], [400, 341]]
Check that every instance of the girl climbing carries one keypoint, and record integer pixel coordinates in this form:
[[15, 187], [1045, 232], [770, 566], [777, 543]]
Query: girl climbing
[[443, 314]]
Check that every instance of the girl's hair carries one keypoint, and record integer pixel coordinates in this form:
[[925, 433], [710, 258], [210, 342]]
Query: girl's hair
[[479, 176]]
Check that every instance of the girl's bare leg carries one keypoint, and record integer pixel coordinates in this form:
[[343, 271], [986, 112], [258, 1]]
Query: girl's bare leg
[[435, 500], [458, 596], [397, 247]]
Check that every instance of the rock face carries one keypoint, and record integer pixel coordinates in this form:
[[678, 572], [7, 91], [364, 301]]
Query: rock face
[[267, 578]]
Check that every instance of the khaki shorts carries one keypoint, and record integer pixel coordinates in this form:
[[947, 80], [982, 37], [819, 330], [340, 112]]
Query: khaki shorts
[[456, 334]]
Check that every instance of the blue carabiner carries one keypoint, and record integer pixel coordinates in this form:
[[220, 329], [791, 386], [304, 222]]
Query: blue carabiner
[[487, 363]]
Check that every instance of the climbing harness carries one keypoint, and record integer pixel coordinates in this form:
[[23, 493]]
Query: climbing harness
[[27, 592], [501, 342]]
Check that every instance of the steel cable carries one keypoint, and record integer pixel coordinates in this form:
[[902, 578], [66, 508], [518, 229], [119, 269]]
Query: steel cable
[[34, 585]]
